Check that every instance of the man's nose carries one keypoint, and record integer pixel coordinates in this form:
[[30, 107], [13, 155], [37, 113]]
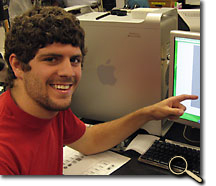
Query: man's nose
[[66, 69]]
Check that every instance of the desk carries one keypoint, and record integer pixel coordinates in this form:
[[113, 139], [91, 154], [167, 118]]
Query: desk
[[134, 167]]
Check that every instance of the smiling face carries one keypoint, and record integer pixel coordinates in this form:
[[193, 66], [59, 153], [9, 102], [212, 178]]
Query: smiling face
[[54, 76]]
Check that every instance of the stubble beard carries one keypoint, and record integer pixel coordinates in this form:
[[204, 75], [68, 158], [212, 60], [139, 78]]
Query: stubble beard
[[40, 95]]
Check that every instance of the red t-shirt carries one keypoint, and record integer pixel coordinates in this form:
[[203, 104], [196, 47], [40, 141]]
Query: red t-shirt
[[34, 146]]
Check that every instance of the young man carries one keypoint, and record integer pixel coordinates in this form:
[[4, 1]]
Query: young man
[[44, 51]]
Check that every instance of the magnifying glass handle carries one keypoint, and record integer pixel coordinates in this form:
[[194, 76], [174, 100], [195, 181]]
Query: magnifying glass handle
[[194, 176]]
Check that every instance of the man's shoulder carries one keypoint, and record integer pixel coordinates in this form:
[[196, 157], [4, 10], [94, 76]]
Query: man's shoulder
[[69, 116]]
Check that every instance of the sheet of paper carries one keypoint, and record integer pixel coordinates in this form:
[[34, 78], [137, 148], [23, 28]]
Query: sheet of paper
[[141, 143], [75, 163]]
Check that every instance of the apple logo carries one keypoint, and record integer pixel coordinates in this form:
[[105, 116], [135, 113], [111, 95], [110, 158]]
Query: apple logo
[[106, 73]]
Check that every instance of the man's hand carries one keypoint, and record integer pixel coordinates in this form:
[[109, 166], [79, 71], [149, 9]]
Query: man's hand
[[170, 108]]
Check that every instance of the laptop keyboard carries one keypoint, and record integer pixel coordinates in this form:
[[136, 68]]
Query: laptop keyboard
[[160, 153]]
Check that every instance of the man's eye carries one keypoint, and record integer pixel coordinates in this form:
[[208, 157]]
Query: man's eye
[[75, 60], [49, 59]]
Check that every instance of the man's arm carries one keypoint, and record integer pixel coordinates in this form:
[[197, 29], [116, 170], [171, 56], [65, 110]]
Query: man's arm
[[104, 136]]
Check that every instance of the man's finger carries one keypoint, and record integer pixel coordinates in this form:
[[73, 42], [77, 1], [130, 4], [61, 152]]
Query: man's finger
[[180, 106], [183, 97], [176, 112]]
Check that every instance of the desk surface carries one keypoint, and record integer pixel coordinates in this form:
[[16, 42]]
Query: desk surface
[[134, 167]]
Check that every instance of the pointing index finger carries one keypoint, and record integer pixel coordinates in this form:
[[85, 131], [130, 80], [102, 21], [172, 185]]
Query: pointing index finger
[[183, 97]]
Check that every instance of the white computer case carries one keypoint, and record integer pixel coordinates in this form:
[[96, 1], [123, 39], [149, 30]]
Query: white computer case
[[135, 48]]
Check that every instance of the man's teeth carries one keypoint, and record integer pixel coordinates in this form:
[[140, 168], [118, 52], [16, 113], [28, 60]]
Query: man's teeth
[[62, 87]]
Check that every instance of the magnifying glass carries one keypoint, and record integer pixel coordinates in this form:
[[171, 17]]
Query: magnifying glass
[[175, 168]]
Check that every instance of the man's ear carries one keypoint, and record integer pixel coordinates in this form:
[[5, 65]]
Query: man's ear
[[16, 66]]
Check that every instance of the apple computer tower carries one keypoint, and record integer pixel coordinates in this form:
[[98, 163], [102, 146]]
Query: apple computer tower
[[126, 64]]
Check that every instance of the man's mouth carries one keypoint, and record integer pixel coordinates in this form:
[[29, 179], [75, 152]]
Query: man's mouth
[[61, 87]]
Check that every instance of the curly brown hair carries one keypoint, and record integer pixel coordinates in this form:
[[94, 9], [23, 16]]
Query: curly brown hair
[[37, 28]]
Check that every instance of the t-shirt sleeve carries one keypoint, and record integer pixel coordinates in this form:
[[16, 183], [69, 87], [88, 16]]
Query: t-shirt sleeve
[[74, 128]]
